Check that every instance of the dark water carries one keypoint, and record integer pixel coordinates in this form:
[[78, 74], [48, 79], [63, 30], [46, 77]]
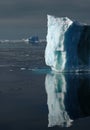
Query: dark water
[[33, 97]]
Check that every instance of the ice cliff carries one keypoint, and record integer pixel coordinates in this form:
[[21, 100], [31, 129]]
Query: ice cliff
[[68, 45]]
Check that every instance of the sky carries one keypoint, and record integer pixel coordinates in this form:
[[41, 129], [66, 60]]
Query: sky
[[23, 18]]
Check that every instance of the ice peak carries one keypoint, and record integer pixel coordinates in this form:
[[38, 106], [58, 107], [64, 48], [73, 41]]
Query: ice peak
[[53, 19]]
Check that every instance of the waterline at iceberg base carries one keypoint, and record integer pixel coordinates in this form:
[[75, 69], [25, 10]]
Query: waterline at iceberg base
[[68, 45]]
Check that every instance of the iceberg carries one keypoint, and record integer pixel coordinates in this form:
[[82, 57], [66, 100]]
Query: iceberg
[[68, 45]]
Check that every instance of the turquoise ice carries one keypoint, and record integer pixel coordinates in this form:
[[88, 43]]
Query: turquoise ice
[[68, 45]]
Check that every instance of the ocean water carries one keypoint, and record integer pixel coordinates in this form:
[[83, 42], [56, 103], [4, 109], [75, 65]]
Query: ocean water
[[33, 97]]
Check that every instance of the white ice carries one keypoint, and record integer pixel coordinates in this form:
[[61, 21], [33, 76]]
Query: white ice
[[63, 36]]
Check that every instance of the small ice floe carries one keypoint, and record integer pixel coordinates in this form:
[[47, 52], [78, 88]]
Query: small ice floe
[[22, 68], [40, 70]]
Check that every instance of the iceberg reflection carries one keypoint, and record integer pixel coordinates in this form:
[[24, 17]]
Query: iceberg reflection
[[65, 98]]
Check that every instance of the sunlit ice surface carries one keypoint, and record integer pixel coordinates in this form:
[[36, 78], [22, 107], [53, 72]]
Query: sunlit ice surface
[[68, 45]]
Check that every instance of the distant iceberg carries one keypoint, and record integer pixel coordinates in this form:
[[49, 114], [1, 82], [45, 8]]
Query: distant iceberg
[[68, 45]]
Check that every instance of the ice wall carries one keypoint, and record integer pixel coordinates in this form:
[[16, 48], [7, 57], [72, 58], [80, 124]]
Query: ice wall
[[65, 40]]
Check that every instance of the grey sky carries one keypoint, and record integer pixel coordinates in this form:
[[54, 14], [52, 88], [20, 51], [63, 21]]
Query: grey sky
[[22, 18]]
